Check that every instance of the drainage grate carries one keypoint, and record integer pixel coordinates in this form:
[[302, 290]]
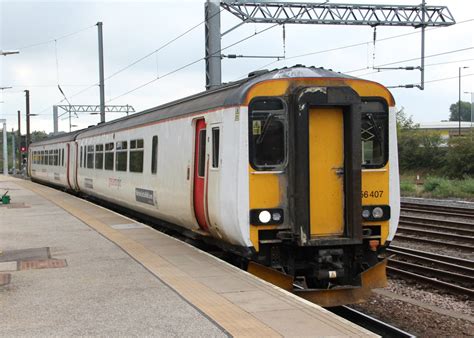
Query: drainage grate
[[42, 264], [5, 278], [25, 254]]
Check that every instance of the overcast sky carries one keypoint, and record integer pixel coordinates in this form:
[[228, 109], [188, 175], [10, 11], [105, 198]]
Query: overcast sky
[[134, 29]]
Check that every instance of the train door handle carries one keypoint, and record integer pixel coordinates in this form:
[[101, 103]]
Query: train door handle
[[339, 171]]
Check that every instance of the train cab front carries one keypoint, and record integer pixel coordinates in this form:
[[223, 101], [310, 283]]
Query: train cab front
[[309, 153]]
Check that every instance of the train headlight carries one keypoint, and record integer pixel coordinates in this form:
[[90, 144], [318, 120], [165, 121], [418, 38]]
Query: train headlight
[[264, 216], [377, 212], [276, 216], [366, 213]]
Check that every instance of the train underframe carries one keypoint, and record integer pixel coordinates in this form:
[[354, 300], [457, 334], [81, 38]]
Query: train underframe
[[326, 275]]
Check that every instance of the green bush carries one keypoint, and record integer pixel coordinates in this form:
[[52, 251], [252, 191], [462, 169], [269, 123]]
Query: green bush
[[432, 183], [420, 150], [460, 158], [467, 186], [445, 188], [407, 187]]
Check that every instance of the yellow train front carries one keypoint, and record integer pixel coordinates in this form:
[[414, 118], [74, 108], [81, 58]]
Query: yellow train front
[[323, 179]]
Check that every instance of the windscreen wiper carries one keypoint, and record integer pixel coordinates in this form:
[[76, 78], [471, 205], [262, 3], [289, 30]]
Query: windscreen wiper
[[377, 135], [270, 117]]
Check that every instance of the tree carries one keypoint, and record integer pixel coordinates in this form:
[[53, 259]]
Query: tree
[[405, 122], [460, 157], [465, 111], [37, 136]]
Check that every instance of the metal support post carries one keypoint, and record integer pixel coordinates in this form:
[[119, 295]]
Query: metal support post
[[459, 102], [213, 43], [19, 140], [101, 73], [5, 149], [27, 119], [422, 67], [55, 120], [13, 152]]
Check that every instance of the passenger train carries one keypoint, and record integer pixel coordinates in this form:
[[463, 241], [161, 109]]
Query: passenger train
[[294, 169]]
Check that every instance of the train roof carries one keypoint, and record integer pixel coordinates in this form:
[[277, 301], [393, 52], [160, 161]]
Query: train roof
[[230, 94]]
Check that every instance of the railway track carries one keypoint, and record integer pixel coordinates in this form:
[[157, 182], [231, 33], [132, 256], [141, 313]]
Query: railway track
[[370, 323], [418, 222], [444, 272], [440, 210], [437, 226]]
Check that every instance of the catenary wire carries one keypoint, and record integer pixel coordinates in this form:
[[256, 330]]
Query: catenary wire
[[159, 48], [55, 39], [347, 46]]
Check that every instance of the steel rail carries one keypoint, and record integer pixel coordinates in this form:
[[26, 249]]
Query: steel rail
[[432, 241], [429, 255], [370, 323], [460, 231], [436, 273], [455, 237], [438, 209], [433, 281], [438, 221], [445, 265]]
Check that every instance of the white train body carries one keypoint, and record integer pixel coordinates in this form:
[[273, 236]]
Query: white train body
[[191, 163]]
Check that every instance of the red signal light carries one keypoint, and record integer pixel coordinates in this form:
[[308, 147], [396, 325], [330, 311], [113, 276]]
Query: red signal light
[[23, 149]]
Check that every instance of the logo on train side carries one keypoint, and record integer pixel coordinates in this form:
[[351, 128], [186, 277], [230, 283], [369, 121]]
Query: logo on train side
[[145, 196], [115, 182]]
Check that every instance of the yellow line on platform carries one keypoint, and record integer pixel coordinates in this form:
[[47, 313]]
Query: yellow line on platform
[[229, 316]]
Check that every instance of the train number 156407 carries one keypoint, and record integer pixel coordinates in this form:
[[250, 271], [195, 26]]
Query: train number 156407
[[372, 193]]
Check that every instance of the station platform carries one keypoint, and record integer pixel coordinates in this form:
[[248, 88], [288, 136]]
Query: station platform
[[70, 267]]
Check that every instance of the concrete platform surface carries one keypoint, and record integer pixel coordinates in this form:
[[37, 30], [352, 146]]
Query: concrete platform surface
[[70, 267]]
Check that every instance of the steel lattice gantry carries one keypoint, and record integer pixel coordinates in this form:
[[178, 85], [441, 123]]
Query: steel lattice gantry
[[87, 108], [96, 108], [339, 14], [418, 16]]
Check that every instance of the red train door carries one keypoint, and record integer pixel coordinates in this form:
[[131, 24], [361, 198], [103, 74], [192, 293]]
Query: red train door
[[200, 173]]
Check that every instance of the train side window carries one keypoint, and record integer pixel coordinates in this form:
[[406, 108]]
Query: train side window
[[154, 154], [215, 147], [99, 156], [267, 134], [80, 156], [51, 157], [109, 156], [202, 153], [121, 156], [90, 157], [42, 156], [56, 157], [136, 156], [62, 157]]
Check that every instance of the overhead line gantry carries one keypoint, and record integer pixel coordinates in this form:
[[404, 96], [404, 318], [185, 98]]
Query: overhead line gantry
[[417, 16]]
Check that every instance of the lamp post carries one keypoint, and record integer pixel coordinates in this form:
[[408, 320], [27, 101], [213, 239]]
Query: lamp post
[[8, 52], [5, 149], [459, 101]]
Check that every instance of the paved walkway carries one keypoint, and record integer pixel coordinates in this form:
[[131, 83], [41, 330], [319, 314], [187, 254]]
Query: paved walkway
[[105, 274]]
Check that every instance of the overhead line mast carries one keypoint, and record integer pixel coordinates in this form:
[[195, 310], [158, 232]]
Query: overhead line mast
[[417, 16]]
